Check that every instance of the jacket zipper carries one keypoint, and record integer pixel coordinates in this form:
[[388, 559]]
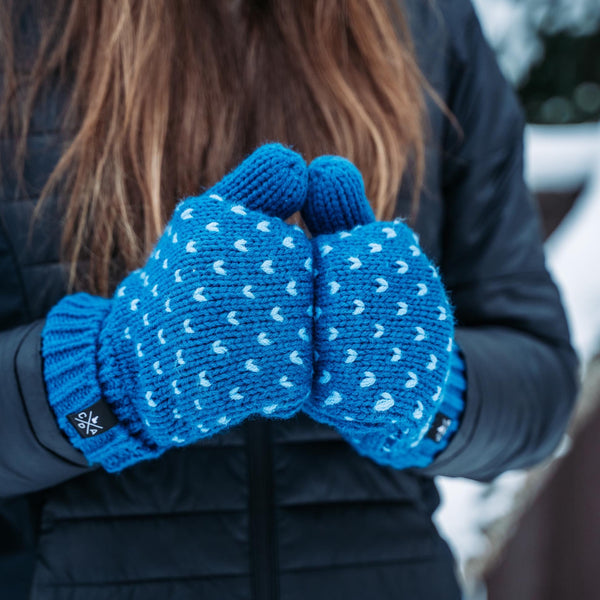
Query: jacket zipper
[[263, 554]]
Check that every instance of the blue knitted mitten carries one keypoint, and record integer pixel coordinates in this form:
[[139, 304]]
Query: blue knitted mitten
[[383, 324], [214, 328]]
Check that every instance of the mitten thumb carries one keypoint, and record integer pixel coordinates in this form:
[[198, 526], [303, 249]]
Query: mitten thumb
[[272, 180], [336, 199]]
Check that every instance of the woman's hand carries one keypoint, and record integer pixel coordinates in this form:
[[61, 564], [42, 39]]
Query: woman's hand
[[214, 328], [383, 324]]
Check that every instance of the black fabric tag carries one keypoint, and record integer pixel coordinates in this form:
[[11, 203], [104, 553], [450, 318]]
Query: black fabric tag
[[93, 420], [439, 428]]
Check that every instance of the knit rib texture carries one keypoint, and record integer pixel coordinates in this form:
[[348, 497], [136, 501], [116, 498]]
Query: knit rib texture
[[214, 328], [383, 322]]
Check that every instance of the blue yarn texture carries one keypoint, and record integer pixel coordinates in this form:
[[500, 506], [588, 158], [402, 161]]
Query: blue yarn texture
[[214, 328], [383, 323]]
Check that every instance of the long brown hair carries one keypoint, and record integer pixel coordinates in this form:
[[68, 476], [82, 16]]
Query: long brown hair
[[165, 96]]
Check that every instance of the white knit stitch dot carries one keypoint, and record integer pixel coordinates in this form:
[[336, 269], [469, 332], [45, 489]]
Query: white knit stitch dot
[[355, 263], [351, 355], [290, 288], [263, 340], [443, 313], [389, 232], [303, 335], [402, 308], [318, 312], [288, 242], [126, 333], [267, 267], [402, 267], [216, 197], [134, 304], [191, 247], [197, 405], [285, 382], [154, 291], [269, 409], [437, 394], [121, 291], [334, 287], [434, 272], [263, 226], [199, 295], [412, 380], [276, 314], [165, 264], [251, 366], [178, 276], [295, 358], [231, 318], [168, 305], [149, 400], [344, 234], [384, 403], [174, 238], [156, 367], [234, 394], [325, 249], [161, 337], [176, 413], [418, 412], [178, 440], [333, 333], [325, 377], [218, 347], [218, 267], [450, 344], [187, 214], [139, 350], [382, 285], [415, 250], [203, 380], [157, 254], [246, 291], [145, 320], [397, 354], [240, 246], [187, 327], [308, 264], [375, 247], [360, 307], [420, 334], [422, 289], [368, 380], [213, 226], [432, 362], [175, 388], [238, 210], [379, 330], [333, 398], [179, 355], [224, 420]]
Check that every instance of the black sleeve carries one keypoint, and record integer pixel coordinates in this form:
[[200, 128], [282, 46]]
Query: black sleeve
[[34, 454], [521, 368]]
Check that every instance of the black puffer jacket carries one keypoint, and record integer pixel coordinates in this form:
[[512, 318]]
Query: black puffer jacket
[[288, 510]]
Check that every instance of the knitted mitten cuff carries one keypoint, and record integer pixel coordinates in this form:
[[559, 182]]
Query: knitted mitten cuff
[[69, 348], [387, 448]]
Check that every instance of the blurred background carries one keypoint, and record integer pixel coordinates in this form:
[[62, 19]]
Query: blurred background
[[536, 535]]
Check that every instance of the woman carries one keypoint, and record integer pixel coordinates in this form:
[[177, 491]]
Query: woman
[[119, 110]]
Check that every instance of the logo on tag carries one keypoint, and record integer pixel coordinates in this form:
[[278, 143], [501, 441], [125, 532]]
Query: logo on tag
[[93, 420], [439, 428]]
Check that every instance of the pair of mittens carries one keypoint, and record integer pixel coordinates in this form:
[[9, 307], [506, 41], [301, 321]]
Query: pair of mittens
[[215, 327], [383, 326]]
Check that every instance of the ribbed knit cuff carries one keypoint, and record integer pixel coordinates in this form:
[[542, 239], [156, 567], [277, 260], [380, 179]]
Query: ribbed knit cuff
[[69, 348], [386, 449]]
